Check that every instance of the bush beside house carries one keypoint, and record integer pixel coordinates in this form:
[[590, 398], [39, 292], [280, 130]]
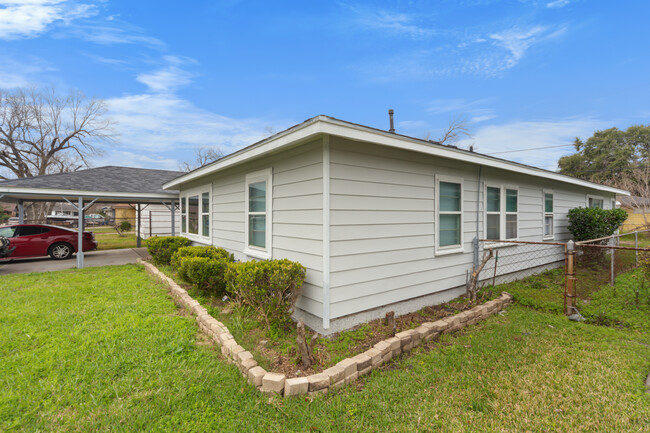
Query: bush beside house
[[270, 288], [594, 223], [162, 248]]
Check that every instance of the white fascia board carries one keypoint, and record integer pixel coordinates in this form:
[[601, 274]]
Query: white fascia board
[[290, 137], [38, 192], [327, 125]]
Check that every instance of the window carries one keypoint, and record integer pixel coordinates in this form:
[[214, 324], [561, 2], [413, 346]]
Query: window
[[31, 231], [595, 202], [7, 232], [195, 213], [548, 215], [501, 215], [258, 214], [450, 215], [205, 214]]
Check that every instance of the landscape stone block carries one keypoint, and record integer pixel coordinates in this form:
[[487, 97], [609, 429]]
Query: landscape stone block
[[351, 378], [395, 343], [375, 356], [273, 382], [383, 347], [439, 326], [336, 373], [318, 381], [255, 375], [349, 365], [246, 365], [365, 371], [296, 386], [243, 356], [363, 361]]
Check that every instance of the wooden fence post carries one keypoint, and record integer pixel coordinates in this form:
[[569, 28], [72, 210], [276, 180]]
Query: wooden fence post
[[570, 280]]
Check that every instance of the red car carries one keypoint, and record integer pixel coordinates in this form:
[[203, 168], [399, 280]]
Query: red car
[[38, 240]]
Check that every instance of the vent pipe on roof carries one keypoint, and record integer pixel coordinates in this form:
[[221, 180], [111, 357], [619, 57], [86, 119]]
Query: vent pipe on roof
[[392, 122]]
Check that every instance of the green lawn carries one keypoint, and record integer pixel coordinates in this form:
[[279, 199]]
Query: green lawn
[[105, 349], [113, 241]]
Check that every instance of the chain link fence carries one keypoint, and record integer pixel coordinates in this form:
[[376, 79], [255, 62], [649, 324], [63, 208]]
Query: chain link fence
[[508, 261], [599, 262]]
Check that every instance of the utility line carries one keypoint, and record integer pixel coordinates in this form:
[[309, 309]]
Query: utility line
[[526, 150]]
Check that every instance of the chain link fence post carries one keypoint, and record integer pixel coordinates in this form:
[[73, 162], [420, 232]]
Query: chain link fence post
[[570, 280]]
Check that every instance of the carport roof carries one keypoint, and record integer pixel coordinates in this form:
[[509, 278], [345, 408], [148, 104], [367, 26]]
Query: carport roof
[[110, 184]]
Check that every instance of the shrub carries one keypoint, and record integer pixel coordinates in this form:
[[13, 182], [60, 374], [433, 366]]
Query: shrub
[[209, 251], [270, 288], [205, 273], [162, 248], [125, 226], [594, 223]]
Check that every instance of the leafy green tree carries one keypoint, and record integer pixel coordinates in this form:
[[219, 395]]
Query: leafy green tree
[[609, 155]]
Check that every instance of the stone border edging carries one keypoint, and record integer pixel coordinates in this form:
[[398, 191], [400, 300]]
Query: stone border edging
[[344, 372]]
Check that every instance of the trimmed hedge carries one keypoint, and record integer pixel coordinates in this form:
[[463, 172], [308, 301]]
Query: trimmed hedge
[[205, 273], [270, 288], [209, 252], [594, 223], [162, 248]]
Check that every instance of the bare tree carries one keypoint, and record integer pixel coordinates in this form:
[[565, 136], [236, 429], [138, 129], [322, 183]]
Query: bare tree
[[458, 128], [637, 182], [42, 132], [202, 155]]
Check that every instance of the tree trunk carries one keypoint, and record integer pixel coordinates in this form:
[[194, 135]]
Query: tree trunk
[[302, 345]]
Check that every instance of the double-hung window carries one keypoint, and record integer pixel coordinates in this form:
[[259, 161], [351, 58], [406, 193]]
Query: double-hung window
[[501, 213], [258, 214], [548, 215], [449, 237], [195, 213], [593, 201]]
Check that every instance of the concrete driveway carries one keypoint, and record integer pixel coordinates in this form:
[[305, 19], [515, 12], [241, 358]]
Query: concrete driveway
[[91, 259]]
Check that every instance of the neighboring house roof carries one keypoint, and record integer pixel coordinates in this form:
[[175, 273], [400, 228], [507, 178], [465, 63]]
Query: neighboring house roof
[[110, 182], [633, 201], [319, 125]]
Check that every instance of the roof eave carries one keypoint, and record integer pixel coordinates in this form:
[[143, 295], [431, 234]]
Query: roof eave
[[326, 125]]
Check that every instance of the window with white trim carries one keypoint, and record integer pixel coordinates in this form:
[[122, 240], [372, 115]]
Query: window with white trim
[[501, 212], [449, 221], [548, 215], [258, 214], [195, 213], [593, 201]]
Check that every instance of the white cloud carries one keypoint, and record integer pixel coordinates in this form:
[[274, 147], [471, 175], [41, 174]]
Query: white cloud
[[30, 18], [165, 79], [31, 71], [125, 158], [114, 32], [159, 123], [558, 3], [398, 23], [516, 136]]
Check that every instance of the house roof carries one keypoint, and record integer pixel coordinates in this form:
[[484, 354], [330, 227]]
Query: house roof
[[325, 125], [108, 184]]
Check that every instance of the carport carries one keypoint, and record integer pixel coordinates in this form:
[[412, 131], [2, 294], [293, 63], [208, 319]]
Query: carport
[[82, 189]]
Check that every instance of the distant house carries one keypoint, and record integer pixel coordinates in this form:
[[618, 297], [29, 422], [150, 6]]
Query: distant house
[[382, 221], [638, 212]]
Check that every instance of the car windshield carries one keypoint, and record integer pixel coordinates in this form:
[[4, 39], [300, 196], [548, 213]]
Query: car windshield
[[7, 232]]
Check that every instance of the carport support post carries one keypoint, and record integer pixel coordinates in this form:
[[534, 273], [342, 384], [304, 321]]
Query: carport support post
[[173, 217], [139, 241], [80, 233], [21, 212]]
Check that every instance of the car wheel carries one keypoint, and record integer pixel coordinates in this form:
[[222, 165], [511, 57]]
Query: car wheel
[[60, 251]]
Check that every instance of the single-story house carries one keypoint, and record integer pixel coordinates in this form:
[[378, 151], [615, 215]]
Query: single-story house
[[638, 212], [380, 220]]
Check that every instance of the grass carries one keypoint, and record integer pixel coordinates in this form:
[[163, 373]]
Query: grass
[[113, 241], [276, 350], [105, 349]]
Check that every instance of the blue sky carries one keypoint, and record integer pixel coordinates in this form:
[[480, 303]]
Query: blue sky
[[177, 75]]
